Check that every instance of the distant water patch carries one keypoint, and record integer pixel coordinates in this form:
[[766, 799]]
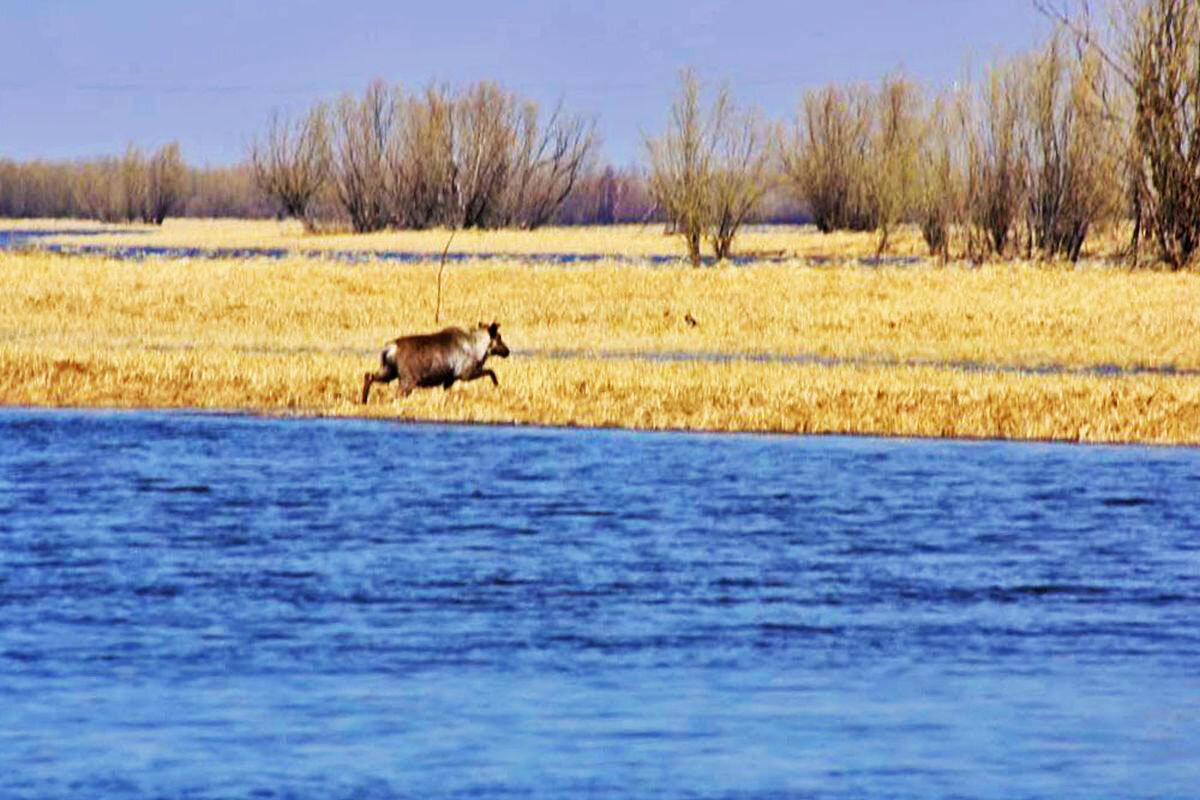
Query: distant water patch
[[29, 238]]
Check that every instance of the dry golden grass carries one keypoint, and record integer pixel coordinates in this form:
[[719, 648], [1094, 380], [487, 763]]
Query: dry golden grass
[[999, 314], [297, 335], [743, 396], [57, 224]]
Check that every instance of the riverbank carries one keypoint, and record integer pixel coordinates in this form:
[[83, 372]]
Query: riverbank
[[1004, 351]]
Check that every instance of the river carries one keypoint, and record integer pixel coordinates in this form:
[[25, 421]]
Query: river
[[213, 606]]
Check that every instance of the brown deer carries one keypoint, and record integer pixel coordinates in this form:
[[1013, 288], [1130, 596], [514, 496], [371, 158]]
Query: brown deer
[[438, 359]]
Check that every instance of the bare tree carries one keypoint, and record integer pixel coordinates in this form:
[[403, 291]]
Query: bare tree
[[895, 141], [681, 164], [164, 183], [292, 165], [740, 174], [940, 174], [548, 163], [135, 184], [98, 190], [484, 137], [93, 188], [996, 164], [1164, 50], [708, 172], [421, 161], [825, 160], [1072, 154], [362, 130], [477, 158], [1154, 49]]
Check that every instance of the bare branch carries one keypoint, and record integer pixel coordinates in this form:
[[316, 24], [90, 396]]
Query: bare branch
[[1084, 35]]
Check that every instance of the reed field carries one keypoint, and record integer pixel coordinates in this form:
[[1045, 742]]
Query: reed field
[[1012, 350]]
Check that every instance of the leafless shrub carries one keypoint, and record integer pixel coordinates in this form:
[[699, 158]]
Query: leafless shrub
[[708, 171], [548, 163], [825, 160], [484, 139], [135, 184], [1163, 50], [853, 157], [38, 189], [891, 175], [95, 188], [292, 165], [114, 189], [98, 190], [421, 161], [680, 164], [228, 191], [478, 158], [740, 175], [1153, 49], [132, 187], [996, 165], [164, 184], [940, 173], [361, 131], [1073, 150]]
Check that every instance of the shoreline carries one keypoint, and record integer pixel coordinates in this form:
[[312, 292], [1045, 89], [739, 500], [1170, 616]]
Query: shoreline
[[303, 416]]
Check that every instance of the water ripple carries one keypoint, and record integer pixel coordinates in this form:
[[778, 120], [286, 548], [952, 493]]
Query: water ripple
[[241, 607]]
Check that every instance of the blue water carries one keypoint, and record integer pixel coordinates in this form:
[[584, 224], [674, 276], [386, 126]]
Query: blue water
[[230, 607]]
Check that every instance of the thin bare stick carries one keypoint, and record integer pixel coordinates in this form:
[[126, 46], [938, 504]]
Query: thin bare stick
[[437, 311], [1083, 33]]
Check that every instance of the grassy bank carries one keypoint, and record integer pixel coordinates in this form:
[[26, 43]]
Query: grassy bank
[[296, 335]]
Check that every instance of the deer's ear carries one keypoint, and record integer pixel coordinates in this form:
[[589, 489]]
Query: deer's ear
[[494, 328]]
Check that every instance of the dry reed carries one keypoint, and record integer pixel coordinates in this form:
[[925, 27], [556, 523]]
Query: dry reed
[[742, 396], [295, 336]]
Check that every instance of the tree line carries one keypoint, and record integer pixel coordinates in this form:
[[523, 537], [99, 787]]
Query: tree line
[[128, 188], [1096, 126]]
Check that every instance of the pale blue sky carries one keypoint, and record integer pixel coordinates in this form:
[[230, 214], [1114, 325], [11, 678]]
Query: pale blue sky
[[80, 78]]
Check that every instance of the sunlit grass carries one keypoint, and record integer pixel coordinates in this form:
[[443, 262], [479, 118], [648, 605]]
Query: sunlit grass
[[743, 396], [296, 336], [999, 314]]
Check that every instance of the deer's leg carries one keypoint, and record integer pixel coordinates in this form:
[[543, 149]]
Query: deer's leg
[[385, 374], [481, 371]]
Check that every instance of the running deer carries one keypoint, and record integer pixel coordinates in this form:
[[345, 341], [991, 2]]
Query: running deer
[[438, 359]]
